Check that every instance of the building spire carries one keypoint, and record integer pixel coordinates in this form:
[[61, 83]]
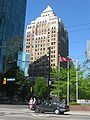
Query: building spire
[[48, 9]]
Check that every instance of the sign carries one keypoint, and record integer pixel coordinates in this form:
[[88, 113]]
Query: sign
[[83, 101], [10, 79]]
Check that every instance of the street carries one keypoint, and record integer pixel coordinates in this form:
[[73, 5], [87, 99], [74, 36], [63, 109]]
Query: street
[[21, 112]]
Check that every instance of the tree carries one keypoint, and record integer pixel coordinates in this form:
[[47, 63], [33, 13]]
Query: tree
[[40, 88], [9, 87], [84, 81], [62, 77], [72, 83], [22, 85]]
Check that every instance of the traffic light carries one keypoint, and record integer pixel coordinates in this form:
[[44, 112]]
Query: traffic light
[[4, 81], [30, 89]]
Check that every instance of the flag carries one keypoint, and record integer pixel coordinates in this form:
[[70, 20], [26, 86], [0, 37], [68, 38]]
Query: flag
[[63, 59], [70, 59]]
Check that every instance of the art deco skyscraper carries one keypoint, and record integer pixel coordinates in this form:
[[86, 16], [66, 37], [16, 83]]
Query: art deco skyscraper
[[46, 31], [12, 19]]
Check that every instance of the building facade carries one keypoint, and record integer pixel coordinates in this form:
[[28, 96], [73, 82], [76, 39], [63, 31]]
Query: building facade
[[12, 19], [23, 62], [46, 31]]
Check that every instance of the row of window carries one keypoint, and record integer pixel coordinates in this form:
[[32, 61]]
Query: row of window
[[37, 57], [41, 46], [40, 32], [38, 26], [40, 38]]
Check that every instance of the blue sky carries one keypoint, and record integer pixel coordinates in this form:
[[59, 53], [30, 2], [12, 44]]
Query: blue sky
[[76, 17]]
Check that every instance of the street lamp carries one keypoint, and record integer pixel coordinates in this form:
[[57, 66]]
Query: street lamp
[[68, 83], [49, 73], [59, 77], [76, 78]]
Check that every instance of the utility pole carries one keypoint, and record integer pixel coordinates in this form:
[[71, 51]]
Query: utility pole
[[49, 74], [68, 83], [76, 79], [59, 77]]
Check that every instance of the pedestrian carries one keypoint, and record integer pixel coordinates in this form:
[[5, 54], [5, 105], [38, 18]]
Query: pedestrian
[[30, 103], [34, 102]]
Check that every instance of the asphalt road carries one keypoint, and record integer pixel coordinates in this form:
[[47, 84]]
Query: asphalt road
[[21, 112]]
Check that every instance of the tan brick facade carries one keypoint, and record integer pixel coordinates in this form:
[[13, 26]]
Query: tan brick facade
[[44, 32]]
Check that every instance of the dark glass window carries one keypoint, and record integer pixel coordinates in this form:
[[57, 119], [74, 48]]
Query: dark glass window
[[12, 18]]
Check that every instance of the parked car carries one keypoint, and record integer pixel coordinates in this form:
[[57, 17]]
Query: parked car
[[52, 106]]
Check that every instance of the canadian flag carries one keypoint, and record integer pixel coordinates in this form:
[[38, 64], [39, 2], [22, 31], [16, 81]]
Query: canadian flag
[[63, 59], [70, 59]]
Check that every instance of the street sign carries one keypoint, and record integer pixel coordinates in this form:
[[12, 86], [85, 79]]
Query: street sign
[[83, 101], [10, 79]]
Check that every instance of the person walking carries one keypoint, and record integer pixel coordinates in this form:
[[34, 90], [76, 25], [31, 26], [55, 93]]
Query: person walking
[[34, 102], [30, 103]]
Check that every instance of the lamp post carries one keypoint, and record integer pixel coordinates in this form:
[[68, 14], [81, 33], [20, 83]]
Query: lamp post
[[68, 83], [59, 77], [49, 74], [76, 78]]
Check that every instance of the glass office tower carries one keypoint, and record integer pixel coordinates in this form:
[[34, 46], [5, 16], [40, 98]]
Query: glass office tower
[[12, 19]]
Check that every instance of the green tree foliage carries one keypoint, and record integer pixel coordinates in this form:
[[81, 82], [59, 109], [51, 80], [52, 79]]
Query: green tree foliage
[[40, 88], [22, 84], [83, 82], [9, 87], [72, 83], [59, 80]]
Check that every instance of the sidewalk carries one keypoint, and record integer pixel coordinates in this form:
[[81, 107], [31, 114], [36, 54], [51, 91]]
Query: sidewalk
[[80, 107], [79, 112]]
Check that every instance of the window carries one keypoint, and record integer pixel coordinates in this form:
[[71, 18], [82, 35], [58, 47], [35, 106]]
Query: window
[[54, 64], [31, 58], [52, 43], [54, 35], [27, 46], [48, 36]]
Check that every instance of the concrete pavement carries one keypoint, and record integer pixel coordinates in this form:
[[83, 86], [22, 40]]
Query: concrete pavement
[[79, 112], [25, 110], [70, 112]]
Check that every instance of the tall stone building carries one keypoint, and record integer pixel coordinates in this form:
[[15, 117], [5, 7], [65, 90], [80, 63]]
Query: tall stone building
[[12, 19], [46, 31]]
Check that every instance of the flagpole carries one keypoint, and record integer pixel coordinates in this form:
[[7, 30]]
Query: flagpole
[[76, 79], [59, 77], [68, 83]]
